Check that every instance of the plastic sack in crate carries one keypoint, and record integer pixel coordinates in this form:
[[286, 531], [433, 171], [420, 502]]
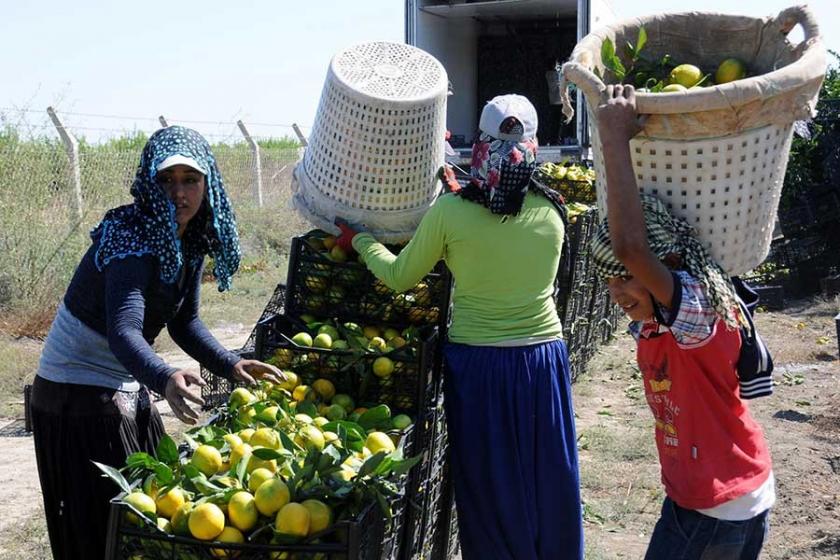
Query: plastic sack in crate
[[359, 538], [350, 370], [318, 284]]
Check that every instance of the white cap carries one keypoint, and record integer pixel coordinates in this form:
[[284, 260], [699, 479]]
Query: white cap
[[501, 108], [178, 159]]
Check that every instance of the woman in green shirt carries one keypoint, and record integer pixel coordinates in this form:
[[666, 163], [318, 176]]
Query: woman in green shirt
[[507, 387]]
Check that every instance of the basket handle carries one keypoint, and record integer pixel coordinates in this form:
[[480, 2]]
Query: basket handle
[[578, 74], [591, 85], [802, 15]]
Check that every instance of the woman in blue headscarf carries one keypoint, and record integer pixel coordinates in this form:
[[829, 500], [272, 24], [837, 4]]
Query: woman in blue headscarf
[[142, 272]]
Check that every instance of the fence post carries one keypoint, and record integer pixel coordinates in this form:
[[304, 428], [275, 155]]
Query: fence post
[[257, 171], [300, 135], [71, 145], [163, 122], [837, 325]]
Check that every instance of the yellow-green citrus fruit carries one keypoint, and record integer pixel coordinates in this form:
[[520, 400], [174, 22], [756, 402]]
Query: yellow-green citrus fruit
[[168, 503], [303, 393], [302, 339], [257, 477], [320, 515], [673, 88], [335, 412], [686, 75], [330, 330], [345, 401], [266, 437], [383, 367], [324, 388], [232, 439], [206, 521], [228, 535], [242, 511], [291, 381], [322, 340], [401, 421], [293, 519], [142, 503], [180, 518], [271, 496], [255, 463], [241, 396], [310, 437], [239, 451], [730, 70], [379, 441]]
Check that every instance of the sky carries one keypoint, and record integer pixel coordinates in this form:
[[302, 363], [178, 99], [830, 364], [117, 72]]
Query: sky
[[113, 66]]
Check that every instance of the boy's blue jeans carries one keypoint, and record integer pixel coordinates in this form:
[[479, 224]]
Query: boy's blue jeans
[[685, 534]]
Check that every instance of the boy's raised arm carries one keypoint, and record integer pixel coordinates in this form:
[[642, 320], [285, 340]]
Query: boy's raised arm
[[617, 123]]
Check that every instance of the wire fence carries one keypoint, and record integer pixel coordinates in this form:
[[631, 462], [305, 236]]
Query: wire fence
[[49, 203]]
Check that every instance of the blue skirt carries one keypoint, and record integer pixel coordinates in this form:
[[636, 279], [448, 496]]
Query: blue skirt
[[513, 451]]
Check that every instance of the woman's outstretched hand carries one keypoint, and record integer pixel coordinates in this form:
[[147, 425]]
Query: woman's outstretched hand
[[249, 371], [181, 388]]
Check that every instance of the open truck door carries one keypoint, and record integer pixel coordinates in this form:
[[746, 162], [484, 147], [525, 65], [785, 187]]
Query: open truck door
[[495, 47]]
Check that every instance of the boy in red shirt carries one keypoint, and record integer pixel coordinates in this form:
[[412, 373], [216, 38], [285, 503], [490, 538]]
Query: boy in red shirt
[[715, 464]]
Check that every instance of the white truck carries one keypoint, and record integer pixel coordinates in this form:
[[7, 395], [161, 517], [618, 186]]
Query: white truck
[[493, 47]]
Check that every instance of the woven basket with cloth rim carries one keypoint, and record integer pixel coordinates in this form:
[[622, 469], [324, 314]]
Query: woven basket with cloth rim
[[715, 155], [377, 142]]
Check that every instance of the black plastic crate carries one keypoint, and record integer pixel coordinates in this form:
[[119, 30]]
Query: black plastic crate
[[369, 536], [217, 389], [407, 389], [770, 297], [360, 538], [451, 547], [589, 317], [320, 286], [572, 191], [428, 513]]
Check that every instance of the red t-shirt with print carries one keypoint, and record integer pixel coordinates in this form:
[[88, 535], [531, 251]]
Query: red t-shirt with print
[[711, 450]]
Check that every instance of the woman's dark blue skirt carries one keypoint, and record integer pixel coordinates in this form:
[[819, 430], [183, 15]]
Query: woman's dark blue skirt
[[513, 451]]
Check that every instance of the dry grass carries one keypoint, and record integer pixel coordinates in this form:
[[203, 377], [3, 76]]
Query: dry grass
[[27, 539]]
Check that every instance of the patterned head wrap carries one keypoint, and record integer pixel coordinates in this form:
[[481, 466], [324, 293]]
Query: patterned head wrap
[[500, 173], [148, 226], [668, 235]]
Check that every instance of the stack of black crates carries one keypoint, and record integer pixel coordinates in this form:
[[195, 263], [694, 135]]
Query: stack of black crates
[[424, 525], [345, 291]]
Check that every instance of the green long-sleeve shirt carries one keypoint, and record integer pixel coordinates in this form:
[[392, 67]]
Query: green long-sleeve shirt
[[504, 269]]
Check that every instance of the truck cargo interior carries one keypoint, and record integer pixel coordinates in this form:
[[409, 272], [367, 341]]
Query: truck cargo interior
[[496, 47]]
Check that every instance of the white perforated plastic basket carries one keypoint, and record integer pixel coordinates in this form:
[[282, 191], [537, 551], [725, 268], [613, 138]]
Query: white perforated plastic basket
[[727, 188], [716, 155], [377, 142]]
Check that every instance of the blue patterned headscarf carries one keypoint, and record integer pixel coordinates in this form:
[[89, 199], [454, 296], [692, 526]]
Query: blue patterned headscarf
[[148, 226]]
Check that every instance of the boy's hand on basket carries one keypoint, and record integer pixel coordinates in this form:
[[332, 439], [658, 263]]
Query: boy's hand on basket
[[179, 390], [248, 371], [618, 120]]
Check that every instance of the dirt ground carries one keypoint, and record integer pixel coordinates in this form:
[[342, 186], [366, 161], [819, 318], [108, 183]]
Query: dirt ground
[[801, 420], [620, 474], [22, 526]]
